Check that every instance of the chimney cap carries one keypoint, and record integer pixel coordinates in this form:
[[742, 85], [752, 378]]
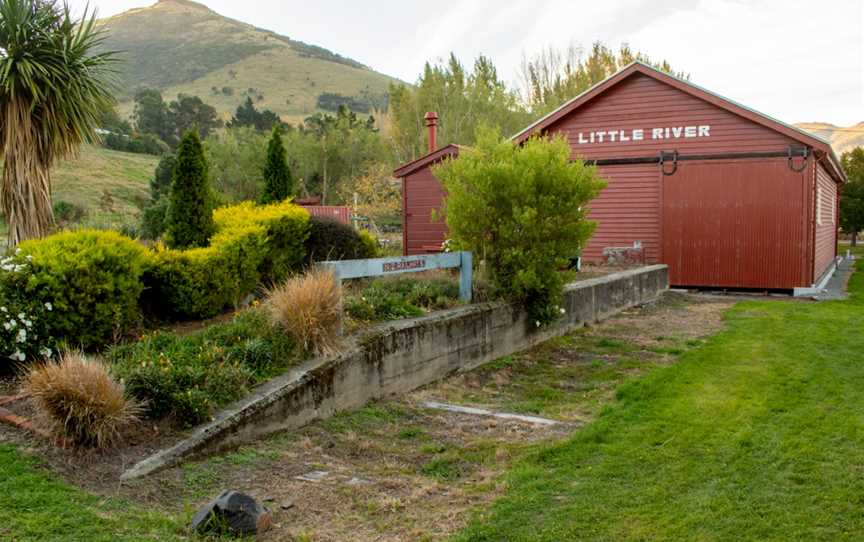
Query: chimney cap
[[431, 117]]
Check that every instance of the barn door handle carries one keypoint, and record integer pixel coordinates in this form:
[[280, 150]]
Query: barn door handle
[[674, 163], [806, 156]]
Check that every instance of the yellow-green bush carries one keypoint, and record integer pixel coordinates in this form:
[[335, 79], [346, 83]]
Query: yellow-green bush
[[91, 280], [252, 244]]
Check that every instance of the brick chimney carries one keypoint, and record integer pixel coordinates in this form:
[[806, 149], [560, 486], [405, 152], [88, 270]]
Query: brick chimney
[[432, 125]]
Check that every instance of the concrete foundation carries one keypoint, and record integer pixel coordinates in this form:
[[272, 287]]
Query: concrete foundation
[[400, 357]]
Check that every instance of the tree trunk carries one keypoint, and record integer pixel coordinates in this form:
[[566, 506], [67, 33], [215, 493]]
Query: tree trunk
[[854, 238], [26, 194]]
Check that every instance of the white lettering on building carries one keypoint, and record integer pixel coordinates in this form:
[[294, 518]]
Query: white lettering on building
[[639, 134]]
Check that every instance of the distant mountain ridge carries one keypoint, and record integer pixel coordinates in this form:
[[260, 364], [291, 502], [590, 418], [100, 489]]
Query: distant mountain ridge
[[842, 138], [180, 46]]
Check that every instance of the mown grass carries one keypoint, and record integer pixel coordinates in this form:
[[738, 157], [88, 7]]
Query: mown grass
[[34, 506], [756, 435]]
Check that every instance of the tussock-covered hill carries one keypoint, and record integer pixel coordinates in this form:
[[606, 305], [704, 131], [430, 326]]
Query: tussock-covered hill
[[179, 46]]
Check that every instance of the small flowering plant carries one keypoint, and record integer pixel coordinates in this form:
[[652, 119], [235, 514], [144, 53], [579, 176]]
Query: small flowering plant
[[23, 335]]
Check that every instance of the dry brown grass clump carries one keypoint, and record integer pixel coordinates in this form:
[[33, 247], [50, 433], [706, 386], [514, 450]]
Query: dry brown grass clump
[[309, 309], [80, 401]]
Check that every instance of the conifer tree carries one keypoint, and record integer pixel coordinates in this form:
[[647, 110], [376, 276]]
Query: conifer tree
[[278, 183], [190, 212]]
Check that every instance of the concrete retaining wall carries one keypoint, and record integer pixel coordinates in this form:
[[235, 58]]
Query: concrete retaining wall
[[401, 357]]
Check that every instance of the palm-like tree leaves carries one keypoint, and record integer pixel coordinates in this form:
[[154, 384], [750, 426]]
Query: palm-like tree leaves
[[53, 86]]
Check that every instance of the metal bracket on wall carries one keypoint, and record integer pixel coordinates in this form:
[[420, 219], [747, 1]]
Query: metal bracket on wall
[[805, 153], [674, 163]]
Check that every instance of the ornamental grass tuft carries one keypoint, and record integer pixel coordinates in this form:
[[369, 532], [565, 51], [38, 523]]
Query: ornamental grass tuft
[[80, 401], [308, 308]]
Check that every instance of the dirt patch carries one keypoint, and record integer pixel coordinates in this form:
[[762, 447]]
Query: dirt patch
[[396, 470], [98, 472]]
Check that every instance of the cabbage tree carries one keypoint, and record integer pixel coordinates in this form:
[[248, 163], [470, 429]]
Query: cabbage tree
[[54, 84]]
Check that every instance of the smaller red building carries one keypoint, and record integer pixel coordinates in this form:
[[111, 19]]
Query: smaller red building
[[724, 195]]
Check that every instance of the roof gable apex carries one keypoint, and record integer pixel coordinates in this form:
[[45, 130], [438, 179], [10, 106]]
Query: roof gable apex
[[689, 88]]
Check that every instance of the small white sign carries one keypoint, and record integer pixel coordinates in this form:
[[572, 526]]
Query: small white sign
[[640, 134]]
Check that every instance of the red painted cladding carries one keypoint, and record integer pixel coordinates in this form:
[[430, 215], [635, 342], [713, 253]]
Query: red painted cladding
[[423, 196], [736, 224], [626, 211], [826, 222], [641, 102], [342, 214], [730, 222]]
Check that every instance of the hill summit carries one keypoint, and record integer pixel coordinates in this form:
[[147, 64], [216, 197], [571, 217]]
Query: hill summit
[[180, 46]]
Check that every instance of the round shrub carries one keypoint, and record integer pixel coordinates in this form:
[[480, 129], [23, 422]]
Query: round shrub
[[330, 240], [91, 279], [80, 401]]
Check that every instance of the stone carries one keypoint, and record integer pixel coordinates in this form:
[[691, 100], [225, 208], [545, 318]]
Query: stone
[[234, 512], [287, 505], [314, 476]]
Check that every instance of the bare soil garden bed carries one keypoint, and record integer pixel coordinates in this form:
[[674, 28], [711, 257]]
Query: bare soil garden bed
[[398, 470]]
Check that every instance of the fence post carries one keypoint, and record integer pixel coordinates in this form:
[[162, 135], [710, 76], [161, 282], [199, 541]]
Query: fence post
[[465, 276]]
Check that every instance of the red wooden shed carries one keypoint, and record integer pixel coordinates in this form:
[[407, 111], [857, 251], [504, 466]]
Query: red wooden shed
[[726, 196]]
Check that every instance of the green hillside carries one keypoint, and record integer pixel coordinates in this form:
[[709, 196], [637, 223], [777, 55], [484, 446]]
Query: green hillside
[[110, 186], [179, 46]]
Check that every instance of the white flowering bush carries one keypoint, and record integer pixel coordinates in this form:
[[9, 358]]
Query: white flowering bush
[[23, 319]]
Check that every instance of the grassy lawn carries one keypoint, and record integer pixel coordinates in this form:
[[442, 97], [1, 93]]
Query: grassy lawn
[[35, 506], [757, 435]]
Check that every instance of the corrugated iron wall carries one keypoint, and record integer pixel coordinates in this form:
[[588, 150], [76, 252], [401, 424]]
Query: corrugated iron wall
[[643, 103], [626, 211], [736, 224], [423, 196], [337, 212]]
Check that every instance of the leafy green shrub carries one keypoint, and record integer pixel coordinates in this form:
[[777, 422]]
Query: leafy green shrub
[[66, 213], [92, 280], [330, 239], [252, 244], [402, 297], [190, 214], [371, 247], [153, 219], [188, 376], [522, 210], [23, 318]]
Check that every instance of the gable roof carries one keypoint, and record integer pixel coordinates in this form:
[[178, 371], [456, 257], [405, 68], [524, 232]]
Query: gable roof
[[638, 67], [423, 161]]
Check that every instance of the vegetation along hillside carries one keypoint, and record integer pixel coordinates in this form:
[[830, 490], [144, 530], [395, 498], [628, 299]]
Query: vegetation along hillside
[[179, 46], [101, 188], [843, 139]]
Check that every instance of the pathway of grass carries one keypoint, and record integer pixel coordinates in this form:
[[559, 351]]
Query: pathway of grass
[[758, 435], [34, 506]]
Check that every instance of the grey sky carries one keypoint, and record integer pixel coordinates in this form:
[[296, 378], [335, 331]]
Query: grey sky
[[797, 60]]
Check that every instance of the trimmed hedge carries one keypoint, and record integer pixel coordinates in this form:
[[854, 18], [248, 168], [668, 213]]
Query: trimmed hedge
[[252, 244], [330, 239], [92, 280]]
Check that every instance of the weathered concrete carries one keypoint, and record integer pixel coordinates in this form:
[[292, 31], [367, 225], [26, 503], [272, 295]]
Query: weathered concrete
[[402, 356]]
